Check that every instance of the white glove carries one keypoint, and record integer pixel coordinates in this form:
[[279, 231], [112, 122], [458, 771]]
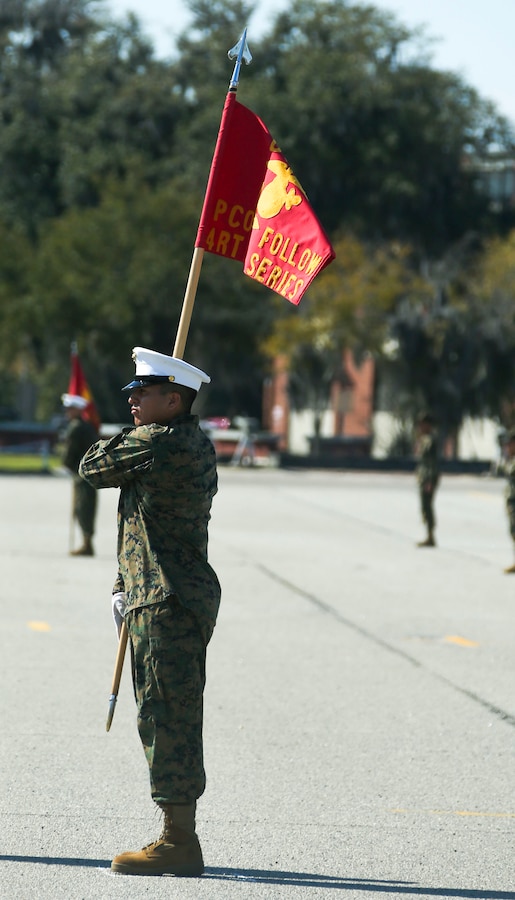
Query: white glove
[[119, 603]]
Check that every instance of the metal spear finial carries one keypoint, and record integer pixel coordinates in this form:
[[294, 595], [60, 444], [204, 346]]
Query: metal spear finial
[[239, 51]]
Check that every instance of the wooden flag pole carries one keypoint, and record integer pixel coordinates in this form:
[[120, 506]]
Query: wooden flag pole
[[71, 537], [239, 52], [188, 302]]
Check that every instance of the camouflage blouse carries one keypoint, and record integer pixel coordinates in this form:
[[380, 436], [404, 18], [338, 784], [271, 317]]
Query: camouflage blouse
[[79, 435], [510, 484], [167, 476], [427, 468]]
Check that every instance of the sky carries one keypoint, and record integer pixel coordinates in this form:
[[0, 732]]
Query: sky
[[472, 37]]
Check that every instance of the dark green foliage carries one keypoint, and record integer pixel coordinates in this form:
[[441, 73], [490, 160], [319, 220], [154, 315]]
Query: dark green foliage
[[374, 134], [104, 158]]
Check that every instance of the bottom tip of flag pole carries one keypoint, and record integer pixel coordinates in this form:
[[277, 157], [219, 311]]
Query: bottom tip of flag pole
[[112, 704]]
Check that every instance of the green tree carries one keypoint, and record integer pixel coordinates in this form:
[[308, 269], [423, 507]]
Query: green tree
[[113, 276], [438, 366], [202, 72], [119, 114], [349, 303], [376, 136], [105, 155], [15, 309], [348, 306], [36, 36], [490, 304], [454, 352]]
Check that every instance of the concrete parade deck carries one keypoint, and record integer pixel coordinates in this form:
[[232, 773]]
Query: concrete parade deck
[[360, 705]]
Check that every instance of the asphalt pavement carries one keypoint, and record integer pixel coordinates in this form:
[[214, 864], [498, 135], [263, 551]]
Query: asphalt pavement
[[360, 705]]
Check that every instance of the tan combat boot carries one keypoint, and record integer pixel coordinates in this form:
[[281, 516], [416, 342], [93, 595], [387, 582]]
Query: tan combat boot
[[429, 541], [86, 549], [176, 852]]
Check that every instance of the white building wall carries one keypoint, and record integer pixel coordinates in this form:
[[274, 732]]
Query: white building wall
[[477, 438], [385, 428], [301, 428]]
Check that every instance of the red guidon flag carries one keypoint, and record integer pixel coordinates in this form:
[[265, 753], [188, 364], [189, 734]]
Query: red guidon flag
[[256, 211], [78, 386]]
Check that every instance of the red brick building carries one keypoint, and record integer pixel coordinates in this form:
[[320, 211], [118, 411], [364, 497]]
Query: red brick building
[[350, 407]]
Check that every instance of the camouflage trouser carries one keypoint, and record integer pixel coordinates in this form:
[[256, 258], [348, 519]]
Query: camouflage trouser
[[426, 504], [168, 656], [510, 507], [84, 505]]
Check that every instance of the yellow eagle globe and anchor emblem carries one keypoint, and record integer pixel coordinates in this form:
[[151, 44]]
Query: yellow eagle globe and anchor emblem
[[278, 194]]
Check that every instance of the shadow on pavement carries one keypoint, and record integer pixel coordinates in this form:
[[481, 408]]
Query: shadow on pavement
[[297, 879], [304, 879], [58, 861]]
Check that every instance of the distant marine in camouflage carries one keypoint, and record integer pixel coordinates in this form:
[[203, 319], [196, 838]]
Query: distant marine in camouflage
[[80, 434], [428, 475], [509, 471]]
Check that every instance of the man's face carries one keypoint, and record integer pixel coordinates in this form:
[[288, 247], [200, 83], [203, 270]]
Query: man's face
[[150, 405]]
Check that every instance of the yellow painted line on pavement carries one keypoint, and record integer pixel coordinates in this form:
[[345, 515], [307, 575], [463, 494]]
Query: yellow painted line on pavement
[[38, 626], [461, 641], [468, 812], [458, 812]]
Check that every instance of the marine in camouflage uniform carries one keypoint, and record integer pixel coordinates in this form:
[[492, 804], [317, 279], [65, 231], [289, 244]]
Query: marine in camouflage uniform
[[166, 471], [78, 437], [427, 476], [509, 471]]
